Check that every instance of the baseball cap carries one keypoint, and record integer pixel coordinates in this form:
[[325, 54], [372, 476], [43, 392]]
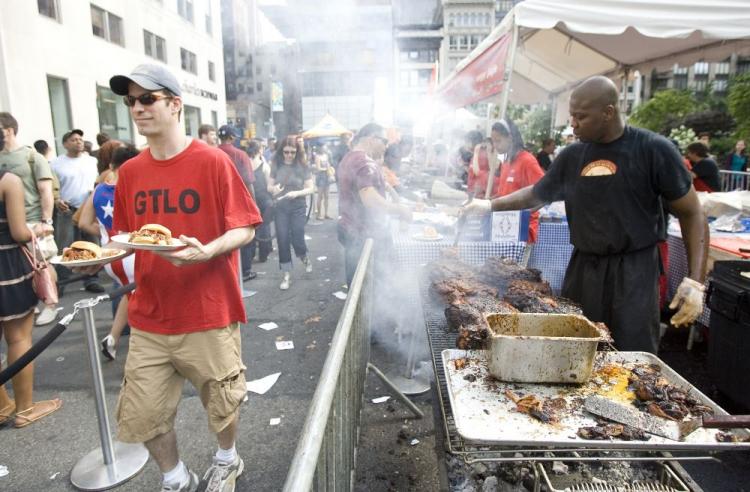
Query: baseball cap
[[226, 131], [75, 131], [150, 76]]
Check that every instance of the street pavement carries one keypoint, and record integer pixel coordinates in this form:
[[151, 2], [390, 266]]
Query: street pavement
[[41, 456]]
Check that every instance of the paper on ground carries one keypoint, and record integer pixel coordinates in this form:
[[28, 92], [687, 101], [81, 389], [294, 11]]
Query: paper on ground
[[339, 295], [54, 476], [285, 345], [268, 326], [322, 258], [274, 421], [3, 470], [414, 442], [307, 238], [262, 385], [381, 399]]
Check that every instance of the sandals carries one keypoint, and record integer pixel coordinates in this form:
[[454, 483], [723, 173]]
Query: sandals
[[24, 420], [7, 412]]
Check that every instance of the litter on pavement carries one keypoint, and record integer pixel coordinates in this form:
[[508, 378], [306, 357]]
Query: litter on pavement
[[3, 470], [322, 258], [274, 421], [381, 399], [414, 442], [268, 326], [285, 345], [262, 385], [339, 295]]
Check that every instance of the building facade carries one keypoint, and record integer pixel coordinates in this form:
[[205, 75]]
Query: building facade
[[465, 24], [418, 35], [57, 56]]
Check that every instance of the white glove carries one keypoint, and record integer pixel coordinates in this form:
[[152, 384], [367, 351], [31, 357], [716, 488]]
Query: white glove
[[476, 207], [689, 298]]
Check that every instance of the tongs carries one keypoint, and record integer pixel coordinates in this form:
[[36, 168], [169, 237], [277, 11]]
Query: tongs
[[461, 221]]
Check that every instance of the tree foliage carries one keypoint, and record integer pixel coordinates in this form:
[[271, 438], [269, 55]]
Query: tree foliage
[[664, 110], [739, 103]]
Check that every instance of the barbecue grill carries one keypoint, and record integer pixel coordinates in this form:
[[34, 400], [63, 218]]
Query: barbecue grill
[[413, 254]]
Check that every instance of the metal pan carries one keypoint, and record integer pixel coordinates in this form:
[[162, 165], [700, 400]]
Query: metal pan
[[484, 415]]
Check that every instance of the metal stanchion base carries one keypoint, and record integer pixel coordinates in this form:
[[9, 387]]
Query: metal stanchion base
[[90, 472], [410, 386]]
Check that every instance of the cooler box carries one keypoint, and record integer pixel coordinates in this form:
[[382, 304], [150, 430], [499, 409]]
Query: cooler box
[[729, 334]]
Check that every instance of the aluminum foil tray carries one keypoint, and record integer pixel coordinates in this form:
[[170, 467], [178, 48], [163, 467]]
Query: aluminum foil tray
[[485, 415]]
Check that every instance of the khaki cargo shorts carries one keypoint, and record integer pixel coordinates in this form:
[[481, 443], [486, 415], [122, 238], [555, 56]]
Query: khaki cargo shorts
[[155, 373]]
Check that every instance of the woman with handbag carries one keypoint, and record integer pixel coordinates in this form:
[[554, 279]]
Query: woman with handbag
[[17, 301]]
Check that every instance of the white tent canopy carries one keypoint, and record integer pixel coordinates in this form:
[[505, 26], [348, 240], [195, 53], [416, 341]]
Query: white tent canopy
[[561, 43]]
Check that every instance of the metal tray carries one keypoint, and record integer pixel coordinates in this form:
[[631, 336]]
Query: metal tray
[[483, 414]]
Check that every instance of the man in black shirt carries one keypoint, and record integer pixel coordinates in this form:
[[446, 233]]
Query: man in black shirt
[[705, 172], [613, 182], [544, 156]]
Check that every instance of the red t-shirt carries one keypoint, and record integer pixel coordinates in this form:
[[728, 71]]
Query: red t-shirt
[[197, 193], [477, 183], [241, 161], [357, 171], [523, 171]]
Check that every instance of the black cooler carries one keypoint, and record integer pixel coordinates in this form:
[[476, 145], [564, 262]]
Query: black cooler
[[729, 334]]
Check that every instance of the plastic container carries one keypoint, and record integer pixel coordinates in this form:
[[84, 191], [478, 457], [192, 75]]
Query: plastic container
[[729, 329], [543, 348]]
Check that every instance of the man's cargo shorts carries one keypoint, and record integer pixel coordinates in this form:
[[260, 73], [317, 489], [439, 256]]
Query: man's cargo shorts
[[155, 373]]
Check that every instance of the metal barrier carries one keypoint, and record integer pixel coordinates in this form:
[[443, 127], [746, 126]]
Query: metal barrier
[[325, 457], [734, 180]]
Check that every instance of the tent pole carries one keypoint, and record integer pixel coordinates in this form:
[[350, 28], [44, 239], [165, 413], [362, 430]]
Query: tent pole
[[625, 87], [506, 95]]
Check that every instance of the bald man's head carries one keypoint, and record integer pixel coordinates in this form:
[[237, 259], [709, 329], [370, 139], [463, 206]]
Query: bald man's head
[[594, 112]]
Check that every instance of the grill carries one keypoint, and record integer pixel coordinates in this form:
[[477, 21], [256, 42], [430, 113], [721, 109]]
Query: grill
[[439, 339]]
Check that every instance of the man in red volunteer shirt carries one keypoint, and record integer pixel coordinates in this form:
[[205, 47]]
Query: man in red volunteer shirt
[[187, 308]]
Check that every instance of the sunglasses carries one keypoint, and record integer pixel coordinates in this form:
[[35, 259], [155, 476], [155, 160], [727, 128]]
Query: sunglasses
[[146, 99], [290, 152]]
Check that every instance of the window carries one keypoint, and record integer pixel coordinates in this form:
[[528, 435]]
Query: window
[[452, 43], [188, 61], [487, 20], [258, 70], [192, 120], [451, 20], [273, 69], [215, 119], [114, 118], [463, 42], [259, 86], [106, 25], [720, 85], [211, 72], [50, 8], [59, 101], [185, 9], [722, 68], [414, 55], [701, 68], [154, 46], [209, 18]]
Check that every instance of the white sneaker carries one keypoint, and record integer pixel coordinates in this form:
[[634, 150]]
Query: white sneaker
[[190, 486], [108, 347], [47, 316], [308, 264], [222, 477], [285, 282]]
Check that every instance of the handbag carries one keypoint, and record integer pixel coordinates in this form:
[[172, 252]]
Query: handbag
[[41, 281]]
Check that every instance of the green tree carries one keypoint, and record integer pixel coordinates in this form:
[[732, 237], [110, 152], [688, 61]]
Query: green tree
[[660, 113], [739, 103]]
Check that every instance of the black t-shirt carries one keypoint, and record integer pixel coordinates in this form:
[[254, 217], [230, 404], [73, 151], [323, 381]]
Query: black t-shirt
[[612, 191], [291, 177], [707, 170], [543, 159]]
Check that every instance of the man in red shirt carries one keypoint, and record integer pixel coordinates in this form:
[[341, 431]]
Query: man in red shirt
[[242, 162], [187, 308]]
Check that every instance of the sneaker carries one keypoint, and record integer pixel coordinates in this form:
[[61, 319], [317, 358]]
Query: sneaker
[[285, 282], [248, 276], [47, 316], [108, 347], [191, 486], [221, 477], [308, 264], [94, 288]]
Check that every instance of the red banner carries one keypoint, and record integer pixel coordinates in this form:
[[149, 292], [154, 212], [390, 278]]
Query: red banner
[[481, 78]]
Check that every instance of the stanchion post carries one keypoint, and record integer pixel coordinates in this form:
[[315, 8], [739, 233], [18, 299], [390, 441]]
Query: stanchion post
[[115, 462]]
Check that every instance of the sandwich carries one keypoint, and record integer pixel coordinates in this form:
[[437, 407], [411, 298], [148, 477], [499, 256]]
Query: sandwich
[[82, 250], [151, 234], [429, 232]]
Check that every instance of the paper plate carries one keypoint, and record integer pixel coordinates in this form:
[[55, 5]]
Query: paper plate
[[422, 237], [118, 253], [123, 239]]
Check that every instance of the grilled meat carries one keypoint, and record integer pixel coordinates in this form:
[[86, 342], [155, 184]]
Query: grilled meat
[[452, 290], [608, 431], [472, 337], [471, 311], [533, 302], [544, 410], [500, 272], [655, 395]]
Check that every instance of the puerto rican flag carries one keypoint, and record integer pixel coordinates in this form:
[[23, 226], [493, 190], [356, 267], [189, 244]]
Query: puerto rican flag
[[123, 271]]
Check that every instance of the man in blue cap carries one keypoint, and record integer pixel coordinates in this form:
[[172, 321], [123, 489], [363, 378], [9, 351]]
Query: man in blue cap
[[187, 309]]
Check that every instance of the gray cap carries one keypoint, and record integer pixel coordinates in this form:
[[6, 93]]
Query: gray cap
[[149, 76]]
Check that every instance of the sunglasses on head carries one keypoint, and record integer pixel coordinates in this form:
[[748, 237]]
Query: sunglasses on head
[[146, 99]]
